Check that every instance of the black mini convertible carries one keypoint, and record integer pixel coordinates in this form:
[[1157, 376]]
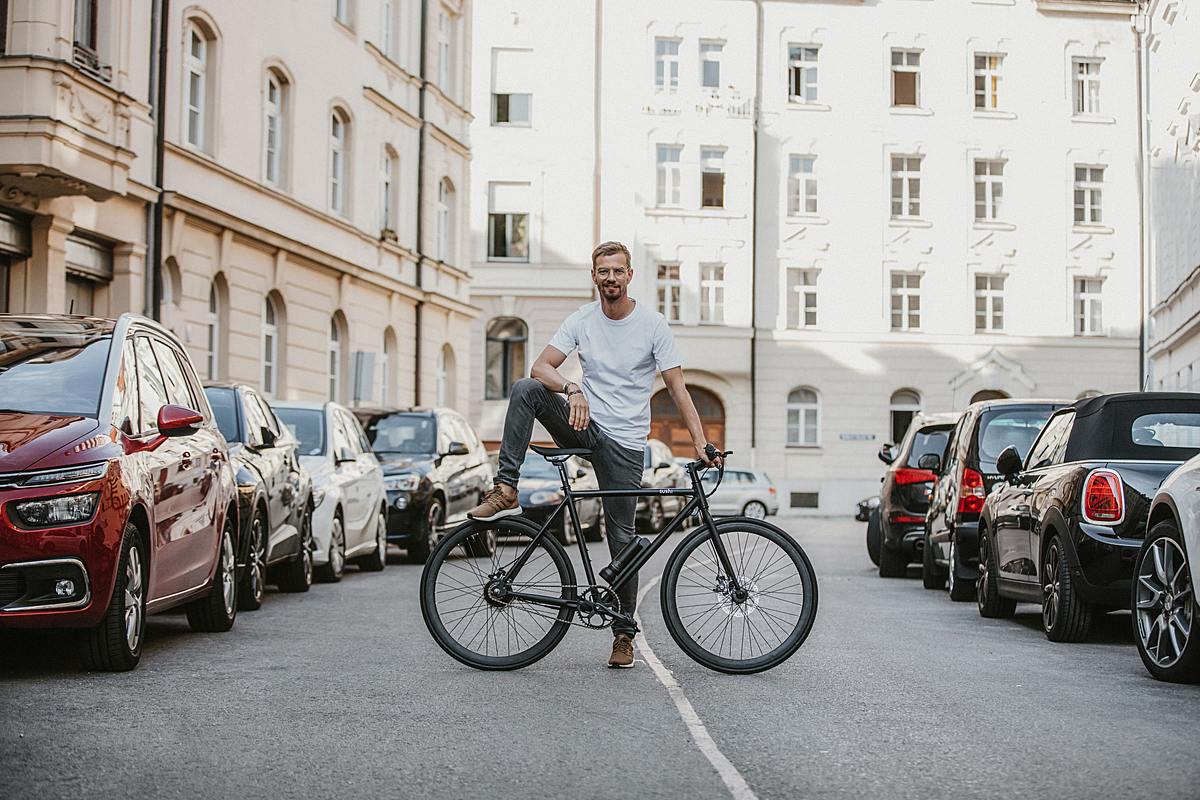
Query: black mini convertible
[[1063, 528]]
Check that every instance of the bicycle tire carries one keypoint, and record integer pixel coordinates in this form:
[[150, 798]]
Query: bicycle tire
[[753, 565], [441, 587]]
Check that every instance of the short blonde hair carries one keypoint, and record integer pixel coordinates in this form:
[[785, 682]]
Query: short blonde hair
[[611, 249]]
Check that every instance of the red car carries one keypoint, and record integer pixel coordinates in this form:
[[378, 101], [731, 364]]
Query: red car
[[117, 499]]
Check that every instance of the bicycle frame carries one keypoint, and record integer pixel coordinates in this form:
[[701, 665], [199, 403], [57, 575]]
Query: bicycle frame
[[698, 502]]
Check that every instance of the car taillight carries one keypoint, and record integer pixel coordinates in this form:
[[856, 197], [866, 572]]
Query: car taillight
[[970, 492], [1103, 498], [905, 476], [771, 489]]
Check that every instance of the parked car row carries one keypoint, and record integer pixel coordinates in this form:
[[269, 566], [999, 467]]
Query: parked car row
[[1082, 508]]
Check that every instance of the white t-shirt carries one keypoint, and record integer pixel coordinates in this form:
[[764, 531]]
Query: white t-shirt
[[620, 358]]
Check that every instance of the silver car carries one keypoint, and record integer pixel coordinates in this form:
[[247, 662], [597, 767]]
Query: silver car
[[350, 519], [747, 493]]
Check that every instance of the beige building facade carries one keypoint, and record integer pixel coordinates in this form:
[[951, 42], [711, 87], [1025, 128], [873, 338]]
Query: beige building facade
[[313, 217]]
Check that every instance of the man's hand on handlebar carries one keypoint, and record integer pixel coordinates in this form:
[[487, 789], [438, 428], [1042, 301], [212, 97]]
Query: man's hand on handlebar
[[710, 455]]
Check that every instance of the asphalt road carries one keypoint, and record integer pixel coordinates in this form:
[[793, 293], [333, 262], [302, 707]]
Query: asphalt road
[[340, 692]]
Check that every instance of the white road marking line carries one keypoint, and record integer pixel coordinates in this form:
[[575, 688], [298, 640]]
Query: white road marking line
[[733, 780]]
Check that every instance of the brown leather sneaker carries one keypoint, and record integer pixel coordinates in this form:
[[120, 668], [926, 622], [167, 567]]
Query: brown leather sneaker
[[622, 652], [500, 501]]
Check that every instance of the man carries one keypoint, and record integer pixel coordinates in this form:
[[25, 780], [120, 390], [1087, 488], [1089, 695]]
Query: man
[[621, 346]]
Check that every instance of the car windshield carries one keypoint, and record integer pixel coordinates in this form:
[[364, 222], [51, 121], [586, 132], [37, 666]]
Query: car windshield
[[61, 375], [928, 440], [403, 433], [308, 426], [1001, 428], [223, 402], [1167, 429], [535, 466]]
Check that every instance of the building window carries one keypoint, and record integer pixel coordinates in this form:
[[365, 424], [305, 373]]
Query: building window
[[989, 189], [338, 140], [447, 377], [1086, 85], [989, 303], [801, 298], [335, 360], [710, 64], [86, 19], [905, 405], [802, 73], [1087, 307], [445, 221], [341, 11], [906, 301], [906, 186], [385, 369], [668, 174], [1089, 186], [906, 78], [712, 177], [387, 191], [504, 356], [89, 265], [212, 339], [512, 77], [987, 81], [3, 50], [445, 46], [270, 348], [508, 221], [802, 185], [196, 64], [666, 65], [803, 418], [669, 289], [712, 293], [274, 120], [387, 33]]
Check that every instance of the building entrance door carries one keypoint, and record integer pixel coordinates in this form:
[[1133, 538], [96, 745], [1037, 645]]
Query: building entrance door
[[666, 423]]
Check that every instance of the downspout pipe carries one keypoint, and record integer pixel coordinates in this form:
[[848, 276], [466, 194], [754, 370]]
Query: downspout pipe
[[1141, 30], [758, 90], [420, 244], [158, 91]]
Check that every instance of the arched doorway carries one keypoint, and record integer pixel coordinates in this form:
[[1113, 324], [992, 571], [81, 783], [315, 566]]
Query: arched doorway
[[667, 425], [989, 394]]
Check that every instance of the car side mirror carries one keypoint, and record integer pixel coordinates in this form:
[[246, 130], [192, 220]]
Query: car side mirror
[[344, 454], [887, 454], [176, 420], [662, 465], [457, 449], [930, 461], [580, 472], [1009, 463], [268, 436]]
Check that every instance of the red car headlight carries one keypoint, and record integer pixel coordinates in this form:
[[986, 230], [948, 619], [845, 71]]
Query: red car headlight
[[69, 509]]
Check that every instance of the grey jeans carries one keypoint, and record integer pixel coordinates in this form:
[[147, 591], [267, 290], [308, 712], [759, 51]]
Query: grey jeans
[[617, 467]]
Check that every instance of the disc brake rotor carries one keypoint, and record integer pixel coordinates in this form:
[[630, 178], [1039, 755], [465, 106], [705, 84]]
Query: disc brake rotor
[[729, 604]]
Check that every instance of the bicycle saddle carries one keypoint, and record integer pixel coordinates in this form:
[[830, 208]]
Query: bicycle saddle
[[560, 452]]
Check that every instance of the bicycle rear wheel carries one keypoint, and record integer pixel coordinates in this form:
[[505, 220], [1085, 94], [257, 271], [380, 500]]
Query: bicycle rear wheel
[[475, 628], [733, 634]]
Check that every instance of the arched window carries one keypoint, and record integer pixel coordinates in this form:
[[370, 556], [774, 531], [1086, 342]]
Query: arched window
[[337, 356], [989, 394], [445, 221], [803, 417], [387, 190], [446, 371], [387, 28], [339, 139], [199, 57], [385, 367], [504, 356], [212, 339], [275, 120], [906, 404], [270, 347], [1087, 393]]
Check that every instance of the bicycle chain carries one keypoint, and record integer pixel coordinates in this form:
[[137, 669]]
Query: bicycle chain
[[528, 608]]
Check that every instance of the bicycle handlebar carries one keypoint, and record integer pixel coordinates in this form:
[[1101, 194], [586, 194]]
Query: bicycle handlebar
[[712, 452]]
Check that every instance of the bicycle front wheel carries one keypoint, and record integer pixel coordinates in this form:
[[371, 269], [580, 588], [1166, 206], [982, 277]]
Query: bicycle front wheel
[[462, 611], [739, 632]]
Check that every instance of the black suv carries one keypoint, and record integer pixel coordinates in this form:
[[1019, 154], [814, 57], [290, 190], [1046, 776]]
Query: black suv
[[965, 477], [274, 494], [896, 527], [435, 470]]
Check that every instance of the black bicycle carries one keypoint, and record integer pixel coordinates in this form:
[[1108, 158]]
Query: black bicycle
[[738, 595]]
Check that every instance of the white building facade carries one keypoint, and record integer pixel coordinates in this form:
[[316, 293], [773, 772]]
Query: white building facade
[[1173, 159], [313, 214], [848, 212]]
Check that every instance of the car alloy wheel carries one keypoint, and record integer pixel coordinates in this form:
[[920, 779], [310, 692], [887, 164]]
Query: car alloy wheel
[[1164, 602], [381, 536], [256, 579], [133, 599], [1051, 588], [951, 580], [656, 516], [981, 580], [337, 548], [228, 572], [755, 510]]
